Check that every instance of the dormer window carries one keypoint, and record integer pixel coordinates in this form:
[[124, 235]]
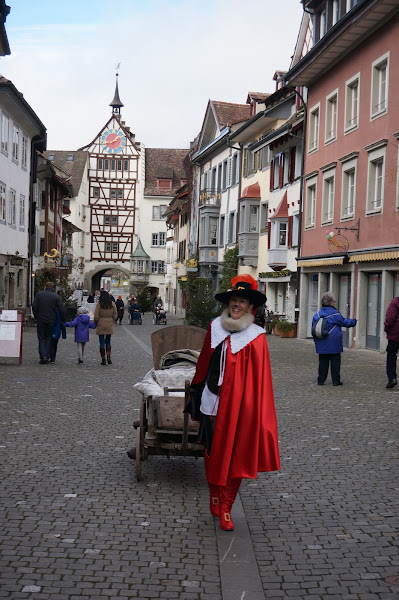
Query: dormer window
[[164, 184], [51, 156], [69, 157]]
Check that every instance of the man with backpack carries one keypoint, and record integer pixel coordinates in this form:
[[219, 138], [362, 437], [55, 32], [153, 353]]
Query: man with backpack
[[327, 335]]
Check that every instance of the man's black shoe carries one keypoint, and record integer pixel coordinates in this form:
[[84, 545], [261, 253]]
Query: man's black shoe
[[338, 383], [43, 361], [391, 383]]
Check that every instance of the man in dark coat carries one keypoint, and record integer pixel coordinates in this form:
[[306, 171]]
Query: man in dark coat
[[391, 328], [45, 306]]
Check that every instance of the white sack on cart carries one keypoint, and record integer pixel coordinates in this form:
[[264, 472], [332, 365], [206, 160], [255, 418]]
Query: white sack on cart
[[154, 382]]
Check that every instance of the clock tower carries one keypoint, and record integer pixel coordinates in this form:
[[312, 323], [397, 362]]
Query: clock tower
[[113, 174]]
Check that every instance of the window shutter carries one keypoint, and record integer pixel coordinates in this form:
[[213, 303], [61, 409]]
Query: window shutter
[[245, 165], [272, 175], [292, 164], [281, 171], [256, 161], [298, 100], [289, 237], [269, 231]]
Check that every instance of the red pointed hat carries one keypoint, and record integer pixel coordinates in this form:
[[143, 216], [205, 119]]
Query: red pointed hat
[[245, 286]]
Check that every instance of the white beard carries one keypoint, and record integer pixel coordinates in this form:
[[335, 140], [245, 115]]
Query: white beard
[[236, 324]]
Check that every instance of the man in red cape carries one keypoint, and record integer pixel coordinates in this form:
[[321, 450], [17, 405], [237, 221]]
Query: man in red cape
[[244, 440]]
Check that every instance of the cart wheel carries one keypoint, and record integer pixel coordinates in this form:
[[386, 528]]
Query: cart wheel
[[138, 454]]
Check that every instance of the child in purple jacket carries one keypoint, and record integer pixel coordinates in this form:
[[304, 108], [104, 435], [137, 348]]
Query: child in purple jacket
[[82, 325]]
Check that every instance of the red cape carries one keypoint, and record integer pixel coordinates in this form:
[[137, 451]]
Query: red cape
[[245, 438]]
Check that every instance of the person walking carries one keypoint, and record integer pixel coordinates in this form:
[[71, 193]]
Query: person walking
[[44, 307], [391, 328], [58, 331], [120, 307], [82, 325], [330, 348], [90, 298], [232, 397], [105, 316]]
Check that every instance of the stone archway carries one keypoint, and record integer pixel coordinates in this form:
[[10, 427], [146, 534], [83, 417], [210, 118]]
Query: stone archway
[[93, 277]]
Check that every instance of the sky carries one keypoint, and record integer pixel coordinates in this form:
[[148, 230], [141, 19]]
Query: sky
[[173, 56]]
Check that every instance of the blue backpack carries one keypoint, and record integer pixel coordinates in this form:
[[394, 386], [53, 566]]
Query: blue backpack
[[320, 329]]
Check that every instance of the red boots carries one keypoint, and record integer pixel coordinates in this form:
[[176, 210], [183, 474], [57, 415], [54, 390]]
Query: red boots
[[222, 498], [228, 494], [214, 504]]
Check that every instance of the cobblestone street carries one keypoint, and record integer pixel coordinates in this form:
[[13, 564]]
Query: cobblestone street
[[76, 525]]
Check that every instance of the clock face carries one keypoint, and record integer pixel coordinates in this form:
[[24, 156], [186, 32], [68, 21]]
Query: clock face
[[113, 141]]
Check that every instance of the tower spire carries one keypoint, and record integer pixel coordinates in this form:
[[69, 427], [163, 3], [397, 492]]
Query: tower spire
[[116, 102]]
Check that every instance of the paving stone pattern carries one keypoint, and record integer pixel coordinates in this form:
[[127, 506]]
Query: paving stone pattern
[[76, 525]]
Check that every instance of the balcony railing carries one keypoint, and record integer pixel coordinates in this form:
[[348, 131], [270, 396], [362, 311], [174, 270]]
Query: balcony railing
[[209, 197]]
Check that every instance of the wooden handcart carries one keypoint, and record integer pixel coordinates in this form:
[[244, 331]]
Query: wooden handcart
[[163, 428]]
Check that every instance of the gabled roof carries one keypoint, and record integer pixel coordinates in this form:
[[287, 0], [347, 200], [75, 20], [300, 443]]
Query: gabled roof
[[164, 163], [75, 167], [32, 120], [259, 97], [228, 113]]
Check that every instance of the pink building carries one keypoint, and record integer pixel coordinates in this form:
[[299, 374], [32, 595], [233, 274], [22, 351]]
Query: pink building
[[350, 180]]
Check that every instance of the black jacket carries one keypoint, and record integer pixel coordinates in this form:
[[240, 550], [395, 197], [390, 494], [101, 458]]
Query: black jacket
[[45, 306]]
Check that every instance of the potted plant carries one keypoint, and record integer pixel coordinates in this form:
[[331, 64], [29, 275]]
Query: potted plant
[[286, 329], [273, 326]]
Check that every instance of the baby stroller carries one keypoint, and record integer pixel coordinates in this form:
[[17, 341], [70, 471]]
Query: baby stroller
[[159, 315], [135, 315]]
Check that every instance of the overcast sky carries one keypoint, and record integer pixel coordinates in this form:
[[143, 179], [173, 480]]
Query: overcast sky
[[174, 56]]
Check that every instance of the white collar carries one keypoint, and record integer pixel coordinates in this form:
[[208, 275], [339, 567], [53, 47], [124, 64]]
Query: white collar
[[239, 340]]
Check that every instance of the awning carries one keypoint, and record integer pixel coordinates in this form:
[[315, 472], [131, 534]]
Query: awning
[[321, 262], [371, 256]]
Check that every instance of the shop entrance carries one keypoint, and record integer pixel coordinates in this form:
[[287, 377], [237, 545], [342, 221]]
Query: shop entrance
[[373, 317], [313, 303]]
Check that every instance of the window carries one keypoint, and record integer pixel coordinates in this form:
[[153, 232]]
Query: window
[[379, 86], [24, 156], [157, 266], [314, 120], [352, 104], [295, 230], [213, 178], [114, 247], [154, 266], [348, 193], [250, 162], [13, 208], [235, 174], [254, 218], [4, 133], [3, 209], [220, 170], [221, 231], [162, 239], [327, 209], [232, 236], [224, 178], [70, 157], [96, 192], [213, 230], [22, 211], [310, 203], [125, 165], [164, 184], [335, 11], [113, 164], [113, 194], [264, 156], [114, 220], [323, 23], [140, 266], [106, 164], [119, 165], [331, 117], [107, 220], [100, 164], [120, 194], [108, 246], [15, 142], [51, 156], [375, 180], [154, 239], [263, 217], [282, 235], [158, 212]]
